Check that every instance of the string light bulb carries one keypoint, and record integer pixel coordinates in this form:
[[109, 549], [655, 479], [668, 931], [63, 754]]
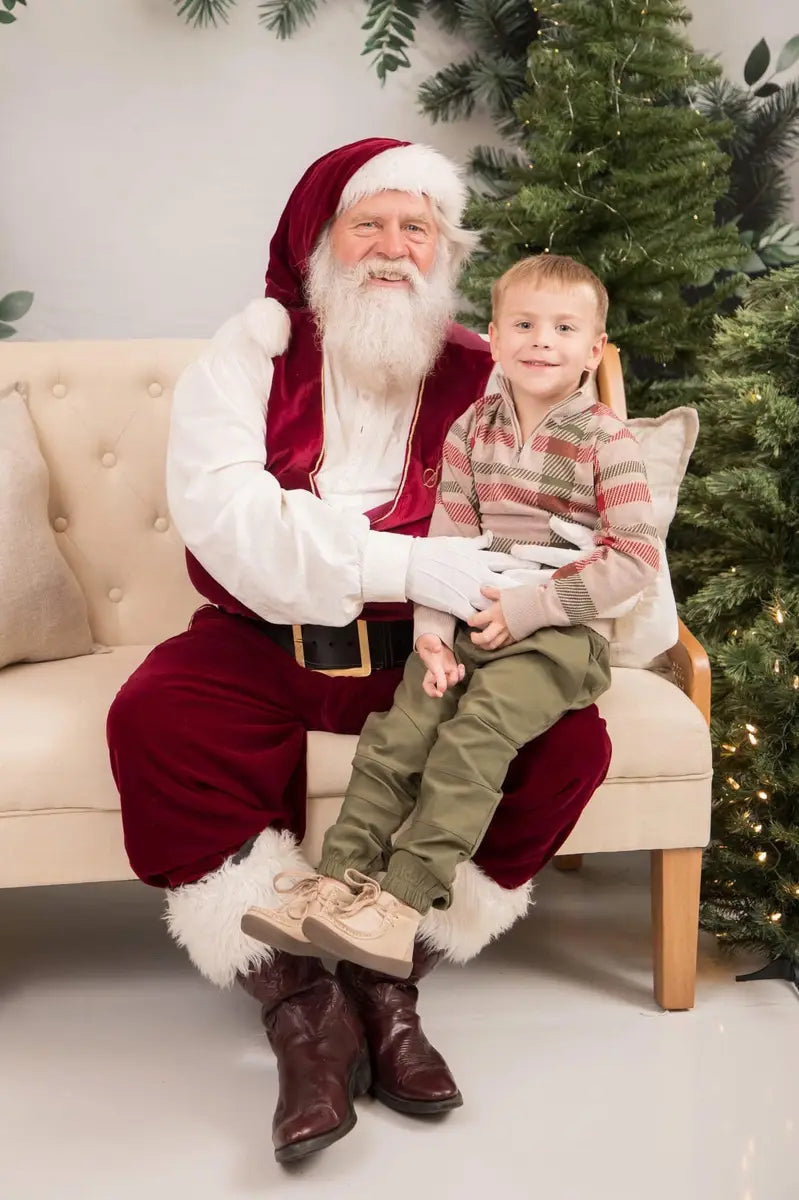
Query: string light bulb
[[761, 856], [763, 795], [775, 917], [779, 616]]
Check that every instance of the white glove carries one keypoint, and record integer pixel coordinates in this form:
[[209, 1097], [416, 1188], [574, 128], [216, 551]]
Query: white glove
[[557, 556], [580, 537], [447, 573]]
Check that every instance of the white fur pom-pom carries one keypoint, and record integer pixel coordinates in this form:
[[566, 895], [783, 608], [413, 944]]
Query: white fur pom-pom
[[268, 322]]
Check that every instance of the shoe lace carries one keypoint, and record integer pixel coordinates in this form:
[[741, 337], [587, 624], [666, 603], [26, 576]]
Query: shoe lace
[[300, 890], [363, 891]]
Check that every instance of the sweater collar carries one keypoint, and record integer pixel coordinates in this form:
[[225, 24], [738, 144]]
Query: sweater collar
[[584, 397]]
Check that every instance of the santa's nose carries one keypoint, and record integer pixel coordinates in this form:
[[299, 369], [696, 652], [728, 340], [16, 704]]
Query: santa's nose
[[391, 243]]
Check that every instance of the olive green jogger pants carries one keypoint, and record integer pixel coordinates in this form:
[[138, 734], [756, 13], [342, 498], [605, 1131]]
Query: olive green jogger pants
[[440, 763]]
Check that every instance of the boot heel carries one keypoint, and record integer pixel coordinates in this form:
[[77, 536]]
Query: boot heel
[[362, 1076]]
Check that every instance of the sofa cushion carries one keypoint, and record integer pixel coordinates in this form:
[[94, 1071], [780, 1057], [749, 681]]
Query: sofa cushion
[[53, 753], [42, 608]]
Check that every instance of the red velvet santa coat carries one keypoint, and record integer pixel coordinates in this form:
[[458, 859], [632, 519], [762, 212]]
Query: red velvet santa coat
[[295, 438]]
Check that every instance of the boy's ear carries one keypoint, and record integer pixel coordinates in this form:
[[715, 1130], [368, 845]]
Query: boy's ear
[[492, 338], [597, 350]]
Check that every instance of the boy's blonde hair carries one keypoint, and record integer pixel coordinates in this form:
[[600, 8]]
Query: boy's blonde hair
[[559, 271]]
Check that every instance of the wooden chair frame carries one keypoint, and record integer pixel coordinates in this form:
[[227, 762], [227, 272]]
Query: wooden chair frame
[[675, 874]]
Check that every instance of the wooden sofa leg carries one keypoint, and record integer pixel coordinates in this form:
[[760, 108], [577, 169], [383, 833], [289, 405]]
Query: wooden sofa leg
[[676, 876], [568, 862]]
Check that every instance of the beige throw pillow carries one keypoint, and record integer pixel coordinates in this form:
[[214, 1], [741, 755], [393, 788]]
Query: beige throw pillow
[[42, 608], [651, 628]]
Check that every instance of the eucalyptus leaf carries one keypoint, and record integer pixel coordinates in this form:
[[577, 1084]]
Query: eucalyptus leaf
[[788, 54], [753, 264], [14, 305], [757, 62], [768, 89], [782, 256], [7, 331], [5, 19]]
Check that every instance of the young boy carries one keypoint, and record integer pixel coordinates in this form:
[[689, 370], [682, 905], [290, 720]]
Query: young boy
[[537, 446]]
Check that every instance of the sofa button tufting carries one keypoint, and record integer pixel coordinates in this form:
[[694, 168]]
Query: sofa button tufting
[[59, 390], [60, 524], [109, 459], [115, 595], [161, 524], [155, 389]]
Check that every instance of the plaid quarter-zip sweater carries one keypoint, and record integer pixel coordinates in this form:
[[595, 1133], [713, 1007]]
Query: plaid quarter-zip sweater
[[581, 463]]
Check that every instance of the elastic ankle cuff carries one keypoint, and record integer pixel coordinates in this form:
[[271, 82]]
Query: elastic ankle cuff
[[336, 867], [411, 883]]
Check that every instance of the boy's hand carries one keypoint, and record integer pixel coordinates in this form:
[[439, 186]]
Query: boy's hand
[[443, 671], [493, 630]]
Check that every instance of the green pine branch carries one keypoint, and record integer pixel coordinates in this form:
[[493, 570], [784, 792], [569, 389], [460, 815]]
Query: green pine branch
[[284, 17], [499, 27], [449, 95], [740, 554], [204, 12], [447, 13]]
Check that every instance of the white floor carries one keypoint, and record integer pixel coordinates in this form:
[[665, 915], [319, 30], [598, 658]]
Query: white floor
[[124, 1077]]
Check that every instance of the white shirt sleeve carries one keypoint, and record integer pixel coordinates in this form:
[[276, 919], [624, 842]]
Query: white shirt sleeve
[[286, 555]]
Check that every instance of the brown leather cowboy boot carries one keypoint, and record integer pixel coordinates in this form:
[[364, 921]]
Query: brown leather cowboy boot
[[322, 1057], [408, 1074]]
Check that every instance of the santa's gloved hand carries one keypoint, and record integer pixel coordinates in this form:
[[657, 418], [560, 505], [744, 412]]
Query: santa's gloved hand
[[531, 573], [580, 537], [558, 556], [447, 573]]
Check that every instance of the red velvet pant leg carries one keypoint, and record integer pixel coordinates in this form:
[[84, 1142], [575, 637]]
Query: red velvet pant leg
[[207, 742], [546, 790]]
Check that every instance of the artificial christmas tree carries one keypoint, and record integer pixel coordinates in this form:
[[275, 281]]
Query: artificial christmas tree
[[743, 565], [617, 169]]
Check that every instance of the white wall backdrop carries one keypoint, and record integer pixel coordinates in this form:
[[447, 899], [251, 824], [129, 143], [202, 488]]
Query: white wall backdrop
[[147, 162]]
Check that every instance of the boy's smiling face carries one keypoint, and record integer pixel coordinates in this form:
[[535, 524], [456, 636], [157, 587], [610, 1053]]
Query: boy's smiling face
[[544, 339]]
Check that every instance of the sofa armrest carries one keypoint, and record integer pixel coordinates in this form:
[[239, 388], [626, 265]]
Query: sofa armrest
[[691, 667]]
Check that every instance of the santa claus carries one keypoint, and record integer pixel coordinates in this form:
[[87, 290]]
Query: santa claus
[[302, 471]]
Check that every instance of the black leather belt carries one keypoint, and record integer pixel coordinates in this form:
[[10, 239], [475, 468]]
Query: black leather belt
[[356, 649]]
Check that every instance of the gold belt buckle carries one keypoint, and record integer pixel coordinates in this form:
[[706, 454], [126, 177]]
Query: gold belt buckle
[[359, 672]]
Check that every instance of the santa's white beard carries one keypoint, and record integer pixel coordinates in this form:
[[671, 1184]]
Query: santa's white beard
[[381, 336]]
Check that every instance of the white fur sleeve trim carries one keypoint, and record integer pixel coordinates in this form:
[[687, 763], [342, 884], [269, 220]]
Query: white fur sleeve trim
[[205, 917], [480, 911]]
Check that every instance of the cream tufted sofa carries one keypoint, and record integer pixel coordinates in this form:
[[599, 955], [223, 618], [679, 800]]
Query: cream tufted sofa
[[101, 410]]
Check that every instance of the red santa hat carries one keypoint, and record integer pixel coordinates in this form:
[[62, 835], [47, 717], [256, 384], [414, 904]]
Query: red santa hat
[[331, 185]]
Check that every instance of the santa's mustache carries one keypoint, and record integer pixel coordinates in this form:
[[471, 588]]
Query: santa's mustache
[[387, 268]]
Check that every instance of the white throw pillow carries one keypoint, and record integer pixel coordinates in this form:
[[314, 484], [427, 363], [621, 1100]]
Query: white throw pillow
[[651, 627]]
